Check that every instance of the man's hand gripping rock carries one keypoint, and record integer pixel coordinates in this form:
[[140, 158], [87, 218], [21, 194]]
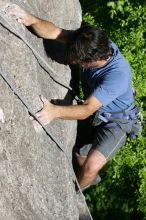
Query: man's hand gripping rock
[[20, 14], [45, 115]]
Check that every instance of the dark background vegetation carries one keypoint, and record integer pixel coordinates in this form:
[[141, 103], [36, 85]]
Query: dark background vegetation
[[121, 195]]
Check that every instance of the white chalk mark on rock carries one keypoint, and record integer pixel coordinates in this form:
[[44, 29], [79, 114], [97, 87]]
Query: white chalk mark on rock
[[2, 116]]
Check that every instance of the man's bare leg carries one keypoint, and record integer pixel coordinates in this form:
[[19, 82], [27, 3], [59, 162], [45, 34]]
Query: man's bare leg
[[80, 159], [92, 165]]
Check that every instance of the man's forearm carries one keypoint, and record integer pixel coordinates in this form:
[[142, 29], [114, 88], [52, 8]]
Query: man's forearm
[[49, 112], [45, 29], [78, 112], [42, 28], [72, 112]]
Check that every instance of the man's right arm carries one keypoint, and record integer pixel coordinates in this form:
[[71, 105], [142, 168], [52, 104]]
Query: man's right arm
[[42, 28]]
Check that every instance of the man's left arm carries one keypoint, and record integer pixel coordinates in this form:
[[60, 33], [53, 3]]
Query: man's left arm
[[50, 112]]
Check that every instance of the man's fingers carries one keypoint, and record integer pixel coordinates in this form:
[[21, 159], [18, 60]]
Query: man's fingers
[[9, 8], [15, 10], [43, 114], [36, 124], [31, 118], [38, 114], [3, 8], [44, 100], [20, 20]]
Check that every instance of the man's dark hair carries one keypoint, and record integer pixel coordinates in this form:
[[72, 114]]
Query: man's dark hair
[[88, 44]]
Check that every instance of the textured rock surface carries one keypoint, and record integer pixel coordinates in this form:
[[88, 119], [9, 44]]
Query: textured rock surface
[[35, 177]]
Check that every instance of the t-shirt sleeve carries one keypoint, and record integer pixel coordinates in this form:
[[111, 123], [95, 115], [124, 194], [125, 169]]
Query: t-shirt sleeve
[[111, 88]]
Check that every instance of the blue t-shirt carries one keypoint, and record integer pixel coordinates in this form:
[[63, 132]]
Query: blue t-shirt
[[111, 83]]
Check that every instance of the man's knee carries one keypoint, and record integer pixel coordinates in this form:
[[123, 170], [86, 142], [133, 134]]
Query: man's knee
[[94, 162], [91, 169]]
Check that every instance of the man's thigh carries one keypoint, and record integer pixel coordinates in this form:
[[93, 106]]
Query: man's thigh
[[106, 140]]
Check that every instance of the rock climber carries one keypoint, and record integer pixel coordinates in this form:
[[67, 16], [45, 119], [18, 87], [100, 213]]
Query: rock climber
[[108, 111]]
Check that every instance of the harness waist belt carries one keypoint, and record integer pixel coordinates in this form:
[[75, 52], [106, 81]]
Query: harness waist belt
[[127, 114]]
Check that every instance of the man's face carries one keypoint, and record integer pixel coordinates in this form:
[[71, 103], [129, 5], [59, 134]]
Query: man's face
[[93, 64], [89, 64]]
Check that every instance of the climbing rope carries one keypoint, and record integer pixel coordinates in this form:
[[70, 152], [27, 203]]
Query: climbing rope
[[28, 107]]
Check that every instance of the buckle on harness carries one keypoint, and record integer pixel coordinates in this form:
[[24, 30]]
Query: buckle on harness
[[98, 119], [104, 119]]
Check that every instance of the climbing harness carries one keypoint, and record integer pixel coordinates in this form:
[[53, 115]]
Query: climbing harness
[[28, 107], [129, 119]]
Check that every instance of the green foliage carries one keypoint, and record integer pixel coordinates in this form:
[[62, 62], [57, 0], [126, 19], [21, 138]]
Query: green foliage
[[122, 192], [88, 18]]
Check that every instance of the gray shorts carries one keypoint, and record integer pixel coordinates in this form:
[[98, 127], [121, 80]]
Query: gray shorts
[[106, 140]]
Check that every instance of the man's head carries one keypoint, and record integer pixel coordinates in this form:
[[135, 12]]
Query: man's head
[[88, 46]]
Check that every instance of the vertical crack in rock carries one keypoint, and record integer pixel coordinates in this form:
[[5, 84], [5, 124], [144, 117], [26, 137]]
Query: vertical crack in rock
[[35, 177]]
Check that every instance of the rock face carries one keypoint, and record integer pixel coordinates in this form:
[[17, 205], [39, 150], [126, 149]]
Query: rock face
[[35, 176]]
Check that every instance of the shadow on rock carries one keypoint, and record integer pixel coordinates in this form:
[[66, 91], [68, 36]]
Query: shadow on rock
[[55, 50]]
